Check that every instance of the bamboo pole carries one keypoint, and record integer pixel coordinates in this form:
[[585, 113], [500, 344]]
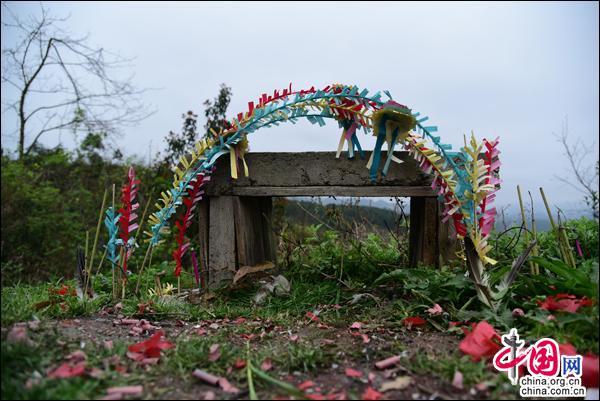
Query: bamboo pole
[[148, 251], [87, 240], [99, 267], [561, 245], [114, 290], [118, 275], [563, 234], [536, 268], [524, 222], [139, 230], [91, 267]]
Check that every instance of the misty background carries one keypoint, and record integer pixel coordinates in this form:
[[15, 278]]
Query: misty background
[[519, 71]]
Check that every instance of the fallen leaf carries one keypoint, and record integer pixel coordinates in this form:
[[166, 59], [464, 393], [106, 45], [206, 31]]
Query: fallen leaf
[[206, 377], [247, 336], [266, 365], [151, 348], [227, 387], [18, 334], [239, 364], [356, 326], [306, 384], [436, 310], [337, 396], [96, 373], [245, 270], [353, 372], [387, 363], [564, 302], [371, 394], [67, 370], [312, 316], [482, 342], [129, 321], [76, 356], [126, 390], [214, 353], [457, 381], [209, 395], [294, 338], [400, 383], [413, 321]]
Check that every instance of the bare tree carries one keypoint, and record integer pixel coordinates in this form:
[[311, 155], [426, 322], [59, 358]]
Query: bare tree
[[62, 82], [585, 174]]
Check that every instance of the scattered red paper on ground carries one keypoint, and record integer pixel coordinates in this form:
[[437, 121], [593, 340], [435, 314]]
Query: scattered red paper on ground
[[67, 370], [149, 348], [312, 316], [306, 384], [436, 310], [564, 303], [482, 342], [371, 394], [214, 353], [590, 375], [239, 364], [353, 372], [126, 390], [266, 365], [63, 291], [413, 321]]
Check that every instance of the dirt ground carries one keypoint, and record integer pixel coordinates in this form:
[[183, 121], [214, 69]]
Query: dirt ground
[[338, 348]]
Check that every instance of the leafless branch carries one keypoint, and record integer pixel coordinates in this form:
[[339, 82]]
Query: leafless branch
[[586, 176], [43, 59]]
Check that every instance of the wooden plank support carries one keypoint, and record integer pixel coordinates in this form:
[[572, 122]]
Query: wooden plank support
[[221, 242], [423, 245], [237, 213], [253, 236], [202, 209]]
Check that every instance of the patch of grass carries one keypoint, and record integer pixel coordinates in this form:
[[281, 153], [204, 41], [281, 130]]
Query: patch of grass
[[193, 352], [303, 357], [21, 362], [18, 301]]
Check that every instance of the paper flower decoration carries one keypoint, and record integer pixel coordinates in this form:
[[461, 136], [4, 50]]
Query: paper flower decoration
[[464, 181]]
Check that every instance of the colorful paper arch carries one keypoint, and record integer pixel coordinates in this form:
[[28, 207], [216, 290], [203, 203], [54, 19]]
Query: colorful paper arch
[[464, 181]]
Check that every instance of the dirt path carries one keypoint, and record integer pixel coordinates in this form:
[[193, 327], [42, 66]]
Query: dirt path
[[298, 352]]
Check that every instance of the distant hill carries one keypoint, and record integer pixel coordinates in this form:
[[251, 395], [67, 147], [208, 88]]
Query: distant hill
[[306, 213], [377, 211]]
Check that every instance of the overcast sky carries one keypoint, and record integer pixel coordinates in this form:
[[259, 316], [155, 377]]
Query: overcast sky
[[513, 70]]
